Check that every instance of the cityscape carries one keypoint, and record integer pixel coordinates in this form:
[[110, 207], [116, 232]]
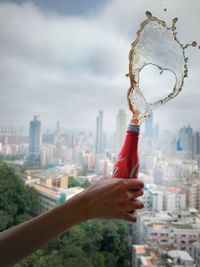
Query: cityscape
[[167, 231], [65, 70]]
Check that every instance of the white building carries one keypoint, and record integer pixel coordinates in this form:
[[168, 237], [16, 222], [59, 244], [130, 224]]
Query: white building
[[51, 197], [46, 154], [157, 200], [120, 129], [174, 201], [180, 258], [168, 229], [196, 253], [163, 199], [192, 194], [154, 255], [152, 198]]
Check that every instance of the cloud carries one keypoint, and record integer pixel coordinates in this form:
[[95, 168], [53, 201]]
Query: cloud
[[67, 67]]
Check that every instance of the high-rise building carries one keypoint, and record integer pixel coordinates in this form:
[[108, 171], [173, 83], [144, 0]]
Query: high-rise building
[[196, 144], [156, 131], [149, 127], [57, 127], [48, 137], [99, 133], [57, 132], [34, 141], [186, 138], [120, 128], [196, 253]]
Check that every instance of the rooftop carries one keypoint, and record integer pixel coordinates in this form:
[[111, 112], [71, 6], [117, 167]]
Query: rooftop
[[180, 254], [140, 249], [158, 226], [146, 261], [180, 225], [45, 190], [42, 174]]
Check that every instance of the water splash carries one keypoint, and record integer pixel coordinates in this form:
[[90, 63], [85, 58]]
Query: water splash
[[157, 47]]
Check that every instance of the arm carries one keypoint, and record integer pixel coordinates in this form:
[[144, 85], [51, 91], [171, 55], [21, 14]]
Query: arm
[[105, 199]]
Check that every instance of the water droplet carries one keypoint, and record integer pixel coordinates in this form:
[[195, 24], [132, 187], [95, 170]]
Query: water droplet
[[194, 43], [148, 14], [175, 20], [186, 46]]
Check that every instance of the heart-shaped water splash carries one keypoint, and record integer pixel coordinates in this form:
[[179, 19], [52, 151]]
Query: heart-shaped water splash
[[155, 84], [156, 48]]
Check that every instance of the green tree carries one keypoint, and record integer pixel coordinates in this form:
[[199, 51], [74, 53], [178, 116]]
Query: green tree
[[91, 244], [32, 260], [17, 201], [84, 170], [10, 157], [86, 184], [72, 182]]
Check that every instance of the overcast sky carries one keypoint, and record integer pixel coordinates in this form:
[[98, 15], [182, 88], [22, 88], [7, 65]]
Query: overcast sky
[[64, 60]]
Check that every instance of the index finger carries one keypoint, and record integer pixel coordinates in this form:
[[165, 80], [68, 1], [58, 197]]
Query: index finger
[[133, 184]]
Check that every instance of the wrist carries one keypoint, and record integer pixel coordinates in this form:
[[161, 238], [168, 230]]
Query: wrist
[[76, 208]]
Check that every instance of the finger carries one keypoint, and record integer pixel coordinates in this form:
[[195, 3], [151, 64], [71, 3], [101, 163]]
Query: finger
[[129, 217], [105, 177], [133, 184], [135, 204], [134, 194]]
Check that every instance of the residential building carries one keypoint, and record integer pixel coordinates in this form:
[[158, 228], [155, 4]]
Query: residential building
[[155, 255], [179, 230], [51, 197], [49, 179], [196, 253]]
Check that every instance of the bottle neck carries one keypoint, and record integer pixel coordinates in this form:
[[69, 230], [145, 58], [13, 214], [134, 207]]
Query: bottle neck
[[134, 128]]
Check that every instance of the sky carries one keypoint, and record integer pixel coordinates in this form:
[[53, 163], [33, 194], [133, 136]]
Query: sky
[[65, 60]]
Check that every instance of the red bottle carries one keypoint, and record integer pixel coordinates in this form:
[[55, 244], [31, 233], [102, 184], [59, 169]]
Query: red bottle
[[127, 164]]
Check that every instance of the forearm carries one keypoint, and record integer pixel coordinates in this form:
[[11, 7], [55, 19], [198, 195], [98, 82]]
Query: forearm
[[20, 241], [105, 199]]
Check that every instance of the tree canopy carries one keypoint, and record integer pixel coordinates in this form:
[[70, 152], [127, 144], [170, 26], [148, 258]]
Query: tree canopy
[[17, 201], [90, 244]]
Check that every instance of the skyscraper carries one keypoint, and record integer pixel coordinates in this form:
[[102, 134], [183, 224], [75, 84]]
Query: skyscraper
[[149, 126], [186, 138], [34, 141], [196, 144], [120, 128], [99, 133]]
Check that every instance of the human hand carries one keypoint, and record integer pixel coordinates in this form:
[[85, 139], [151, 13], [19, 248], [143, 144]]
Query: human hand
[[105, 199], [111, 199]]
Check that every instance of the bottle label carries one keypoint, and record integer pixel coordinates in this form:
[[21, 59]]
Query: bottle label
[[127, 164]]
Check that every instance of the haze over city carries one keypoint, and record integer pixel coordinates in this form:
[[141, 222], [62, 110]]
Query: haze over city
[[63, 127], [65, 61]]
